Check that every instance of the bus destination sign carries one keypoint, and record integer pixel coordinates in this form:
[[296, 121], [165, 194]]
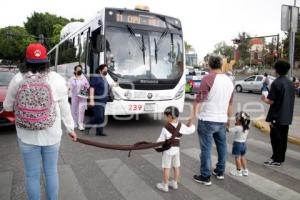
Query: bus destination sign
[[140, 19]]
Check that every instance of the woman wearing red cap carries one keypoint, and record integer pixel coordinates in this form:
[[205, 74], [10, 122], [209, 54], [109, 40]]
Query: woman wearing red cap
[[39, 99]]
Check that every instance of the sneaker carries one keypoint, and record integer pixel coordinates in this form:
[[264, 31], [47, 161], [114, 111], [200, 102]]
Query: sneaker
[[80, 127], [245, 172], [202, 180], [236, 172], [268, 161], [162, 187], [272, 163], [218, 175], [173, 184]]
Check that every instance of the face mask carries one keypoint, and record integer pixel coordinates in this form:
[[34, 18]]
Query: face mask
[[78, 73], [104, 73]]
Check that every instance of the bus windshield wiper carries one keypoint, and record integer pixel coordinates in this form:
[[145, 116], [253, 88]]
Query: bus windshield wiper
[[141, 44], [156, 50], [157, 44]]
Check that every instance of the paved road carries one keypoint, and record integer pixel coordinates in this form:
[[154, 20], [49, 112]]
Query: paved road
[[91, 173]]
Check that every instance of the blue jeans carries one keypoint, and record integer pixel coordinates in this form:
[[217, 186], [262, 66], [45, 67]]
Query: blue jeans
[[206, 132], [33, 156]]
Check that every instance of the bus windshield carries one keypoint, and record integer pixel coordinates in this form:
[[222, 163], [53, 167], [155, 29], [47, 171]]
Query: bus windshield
[[141, 54]]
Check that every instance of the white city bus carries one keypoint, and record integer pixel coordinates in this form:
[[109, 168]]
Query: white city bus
[[144, 52]]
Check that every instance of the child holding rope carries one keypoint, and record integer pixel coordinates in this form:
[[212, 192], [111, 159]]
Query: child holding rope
[[171, 156]]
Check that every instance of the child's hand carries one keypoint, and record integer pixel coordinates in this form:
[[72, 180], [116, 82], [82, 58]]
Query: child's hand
[[190, 121]]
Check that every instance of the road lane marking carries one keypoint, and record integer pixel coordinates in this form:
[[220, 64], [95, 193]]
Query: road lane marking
[[130, 185], [285, 168], [69, 185], [267, 146], [259, 183], [210, 193]]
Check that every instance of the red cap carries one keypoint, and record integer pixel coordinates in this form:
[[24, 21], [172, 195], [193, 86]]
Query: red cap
[[36, 53]]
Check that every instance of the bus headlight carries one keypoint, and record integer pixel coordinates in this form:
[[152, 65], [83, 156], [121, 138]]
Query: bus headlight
[[179, 93], [116, 95], [128, 94]]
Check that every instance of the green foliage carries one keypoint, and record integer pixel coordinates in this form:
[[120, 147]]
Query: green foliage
[[13, 43], [47, 24], [243, 48], [44, 23], [224, 49], [297, 47], [188, 47], [15, 39]]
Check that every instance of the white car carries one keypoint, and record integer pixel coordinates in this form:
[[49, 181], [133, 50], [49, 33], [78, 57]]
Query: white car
[[252, 83]]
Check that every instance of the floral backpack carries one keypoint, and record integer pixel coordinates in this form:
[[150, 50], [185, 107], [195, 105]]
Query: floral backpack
[[34, 106]]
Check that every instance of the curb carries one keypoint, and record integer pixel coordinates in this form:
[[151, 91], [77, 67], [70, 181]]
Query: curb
[[265, 128]]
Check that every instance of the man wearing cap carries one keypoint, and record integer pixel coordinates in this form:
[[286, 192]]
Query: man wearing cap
[[41, 146]]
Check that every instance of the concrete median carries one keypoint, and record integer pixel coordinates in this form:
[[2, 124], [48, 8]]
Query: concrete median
[[264, 127]]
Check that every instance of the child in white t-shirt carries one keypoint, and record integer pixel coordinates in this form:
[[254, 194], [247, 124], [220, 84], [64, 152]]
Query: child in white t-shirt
[[171, 157], [239, 147]]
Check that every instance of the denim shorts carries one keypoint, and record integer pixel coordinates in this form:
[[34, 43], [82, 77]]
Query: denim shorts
[[239, 148]]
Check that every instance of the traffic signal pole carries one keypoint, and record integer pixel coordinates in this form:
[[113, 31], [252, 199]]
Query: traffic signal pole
[[292, 46]]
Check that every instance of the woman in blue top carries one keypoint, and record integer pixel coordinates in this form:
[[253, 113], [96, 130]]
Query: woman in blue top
[[98, 99]]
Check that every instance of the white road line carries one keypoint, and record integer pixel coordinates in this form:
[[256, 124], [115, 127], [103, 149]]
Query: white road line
[[210, 193], [286, 169], [259, 183], [267, 146], [69, 185], [130, 185]]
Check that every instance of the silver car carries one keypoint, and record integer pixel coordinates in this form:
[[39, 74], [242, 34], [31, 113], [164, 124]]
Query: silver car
[[252, 83]]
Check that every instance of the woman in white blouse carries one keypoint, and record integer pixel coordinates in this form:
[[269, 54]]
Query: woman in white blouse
[[42, 146]]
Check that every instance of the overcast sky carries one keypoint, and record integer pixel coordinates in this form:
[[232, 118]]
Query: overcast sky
[[205, 22]]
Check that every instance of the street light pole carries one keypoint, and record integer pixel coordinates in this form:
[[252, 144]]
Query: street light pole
[[292, 43]]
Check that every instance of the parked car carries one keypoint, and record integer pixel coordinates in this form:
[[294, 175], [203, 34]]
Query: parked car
[[252, 83], [5, 76], [193, 81]]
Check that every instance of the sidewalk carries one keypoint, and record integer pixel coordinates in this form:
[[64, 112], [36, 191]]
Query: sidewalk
[[294, 131]]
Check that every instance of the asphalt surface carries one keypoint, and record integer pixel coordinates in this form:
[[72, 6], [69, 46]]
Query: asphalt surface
[[91, 173]]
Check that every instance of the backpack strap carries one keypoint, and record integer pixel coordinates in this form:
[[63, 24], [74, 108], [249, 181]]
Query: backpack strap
[[28, 75], [174, 131], [172, 142]]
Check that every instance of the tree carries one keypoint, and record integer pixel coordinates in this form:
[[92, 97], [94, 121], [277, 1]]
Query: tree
[[206, 58], [224, 49], [47, 24], [188, 47], [13, 42], [243, 48], [286, 43], [56, 33]]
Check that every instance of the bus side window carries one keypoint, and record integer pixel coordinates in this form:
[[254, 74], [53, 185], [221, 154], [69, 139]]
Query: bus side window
[[68, 57], [84, 50], [52, 59], [96, 41]]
